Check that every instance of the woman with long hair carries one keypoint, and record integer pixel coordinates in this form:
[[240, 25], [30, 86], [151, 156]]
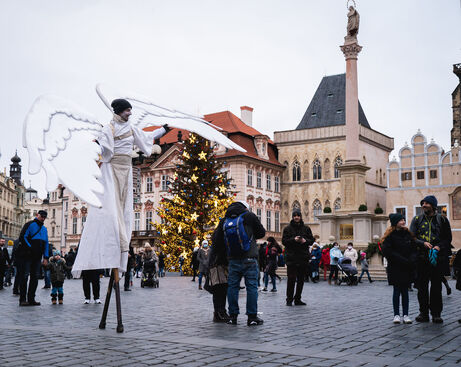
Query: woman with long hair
[[399, 248]]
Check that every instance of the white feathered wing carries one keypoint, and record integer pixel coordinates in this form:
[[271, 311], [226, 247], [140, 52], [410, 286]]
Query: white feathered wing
[[146, 113], [58, 136]]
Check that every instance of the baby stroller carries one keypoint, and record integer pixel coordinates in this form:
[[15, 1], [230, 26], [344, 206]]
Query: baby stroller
[[149, 276], [348, 273]]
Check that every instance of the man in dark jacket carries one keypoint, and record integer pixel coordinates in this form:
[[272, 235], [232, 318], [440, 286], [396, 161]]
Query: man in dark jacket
[[433, 238], [33, 246], [4, 261], [296, 238], [244, 264]]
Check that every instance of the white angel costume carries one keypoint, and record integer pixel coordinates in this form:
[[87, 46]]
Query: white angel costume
[[59, 137], [106, 237]]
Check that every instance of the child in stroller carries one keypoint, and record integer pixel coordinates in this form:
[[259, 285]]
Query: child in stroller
[[149, 271], [348, 272]]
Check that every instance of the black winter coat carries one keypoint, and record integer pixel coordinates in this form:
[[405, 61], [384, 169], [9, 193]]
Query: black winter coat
[[296, 252], [57, 269], [4, 257], [400, 250], [253, 228]]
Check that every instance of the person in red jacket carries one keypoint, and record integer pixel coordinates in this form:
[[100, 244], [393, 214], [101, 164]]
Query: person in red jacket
[[325, 262]]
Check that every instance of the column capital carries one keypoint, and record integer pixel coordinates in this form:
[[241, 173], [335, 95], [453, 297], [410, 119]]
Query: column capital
[[350, 49]]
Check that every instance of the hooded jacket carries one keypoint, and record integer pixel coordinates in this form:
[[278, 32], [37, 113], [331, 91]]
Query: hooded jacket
[[297, 252], [33, 241], [253, 228], [57, 269]]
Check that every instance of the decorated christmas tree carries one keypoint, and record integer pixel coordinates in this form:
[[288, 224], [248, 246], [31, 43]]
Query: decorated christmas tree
[[198, 196]]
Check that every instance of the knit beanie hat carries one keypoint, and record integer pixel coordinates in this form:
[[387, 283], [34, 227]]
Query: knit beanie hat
[[120, 105], [395, 218], [296, 211], [56, 253], [430, 199]]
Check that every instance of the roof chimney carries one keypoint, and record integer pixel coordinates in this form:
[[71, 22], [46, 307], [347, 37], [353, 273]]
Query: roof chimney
[[246, 114]]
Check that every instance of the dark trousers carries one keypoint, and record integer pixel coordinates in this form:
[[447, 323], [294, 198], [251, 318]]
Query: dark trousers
[[2, 275], [127, 278], [295, 274], [399, 290], [429, 300], [28, 268], [333, 270], [16, 282], [219, 297], [194, 273], [91, 277]]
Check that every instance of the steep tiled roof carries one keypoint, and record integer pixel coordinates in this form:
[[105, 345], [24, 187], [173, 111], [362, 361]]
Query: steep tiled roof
[[237, 131], [328, 106]]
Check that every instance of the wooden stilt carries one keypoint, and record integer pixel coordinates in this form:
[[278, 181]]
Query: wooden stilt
[[117, 301], [102, 324]]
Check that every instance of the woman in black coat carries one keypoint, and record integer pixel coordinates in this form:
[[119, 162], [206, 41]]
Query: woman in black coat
[[273, 251], [400, 250]]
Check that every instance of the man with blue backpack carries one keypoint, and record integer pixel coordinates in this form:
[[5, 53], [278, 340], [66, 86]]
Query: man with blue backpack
[[238, 232]]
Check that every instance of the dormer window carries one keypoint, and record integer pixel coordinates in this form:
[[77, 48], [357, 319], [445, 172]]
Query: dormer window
[[339, 111], [330, 95], [261, 142], [314, 114]]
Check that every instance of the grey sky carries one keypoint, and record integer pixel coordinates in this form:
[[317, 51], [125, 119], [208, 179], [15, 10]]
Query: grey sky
[[208, 56]]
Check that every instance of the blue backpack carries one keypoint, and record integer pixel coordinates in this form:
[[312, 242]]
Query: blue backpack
[[235, 236]]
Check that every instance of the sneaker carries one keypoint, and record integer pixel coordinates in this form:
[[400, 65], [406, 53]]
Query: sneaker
[[397, 319], [300, 303], [437, 320], [254, 320], [86, 302], [407, 320], [264, 289], [422, 318], [274, 290], [97, 301], [232, 320]]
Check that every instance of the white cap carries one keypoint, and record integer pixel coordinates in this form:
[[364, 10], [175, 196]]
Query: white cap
[[245, 204]]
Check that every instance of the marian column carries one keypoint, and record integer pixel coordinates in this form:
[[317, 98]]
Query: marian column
[[353, 170]]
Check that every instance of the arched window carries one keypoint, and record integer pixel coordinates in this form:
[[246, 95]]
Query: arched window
[[285, 208], [286, 171], [306, 170], [316, 170], [317, 208], [337, 204], [296, 205], [296, 171], [326, 169], [338, 162], [380, 176], [306, 208]]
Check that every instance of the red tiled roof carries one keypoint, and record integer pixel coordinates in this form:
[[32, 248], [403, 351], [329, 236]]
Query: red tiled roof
[[237, 130]]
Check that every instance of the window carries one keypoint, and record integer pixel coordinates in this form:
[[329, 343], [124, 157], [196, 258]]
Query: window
[[268, 182], [317, 209], [337, 204], [149, 184], [148, 221], [277, 184], [67, 206], [259, 180], [420, 175], [137, 220], [401, 210], [268, 220], [258, 214], [52, 231], [250, 177], [83, 221], [277, 221], [54, 213], [296, 171], [316, 170], [433, 173], [74, 225], [164, 182], [406, 176]]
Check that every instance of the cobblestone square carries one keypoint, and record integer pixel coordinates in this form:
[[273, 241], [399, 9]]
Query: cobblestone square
[[171, 326]]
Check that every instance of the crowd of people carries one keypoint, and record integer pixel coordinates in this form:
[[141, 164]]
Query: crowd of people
[[418, 255]]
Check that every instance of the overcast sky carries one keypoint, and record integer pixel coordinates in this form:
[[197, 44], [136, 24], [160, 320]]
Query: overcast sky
[[205, 56]]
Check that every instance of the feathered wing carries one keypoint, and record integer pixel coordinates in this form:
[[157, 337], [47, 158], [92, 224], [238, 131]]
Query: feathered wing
[[146, 113], [58, 136]]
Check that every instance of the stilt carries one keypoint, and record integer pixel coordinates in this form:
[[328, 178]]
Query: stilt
[[102, 324], [117, 301]]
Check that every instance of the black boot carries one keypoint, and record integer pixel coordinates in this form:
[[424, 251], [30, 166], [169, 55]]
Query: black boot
[[61, 298], [437, 319], [232, 320], [299, 303], [422, 317], [220, 316], [53, 299], [254, 320]]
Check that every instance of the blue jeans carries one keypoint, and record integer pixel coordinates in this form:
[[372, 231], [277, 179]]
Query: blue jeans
[[273, 280], [247, 268], [200, 277], [47, 278], [396, 298]]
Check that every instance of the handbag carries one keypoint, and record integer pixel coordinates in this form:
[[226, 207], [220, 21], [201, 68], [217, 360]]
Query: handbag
[[218, 275]]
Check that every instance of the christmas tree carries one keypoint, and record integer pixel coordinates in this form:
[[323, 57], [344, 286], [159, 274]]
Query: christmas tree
[[198, 196]]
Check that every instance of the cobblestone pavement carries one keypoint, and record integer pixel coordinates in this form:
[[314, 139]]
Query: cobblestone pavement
[[171, 326]]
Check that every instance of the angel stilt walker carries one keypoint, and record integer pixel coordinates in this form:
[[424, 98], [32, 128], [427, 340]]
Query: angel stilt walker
[[65, 142]]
